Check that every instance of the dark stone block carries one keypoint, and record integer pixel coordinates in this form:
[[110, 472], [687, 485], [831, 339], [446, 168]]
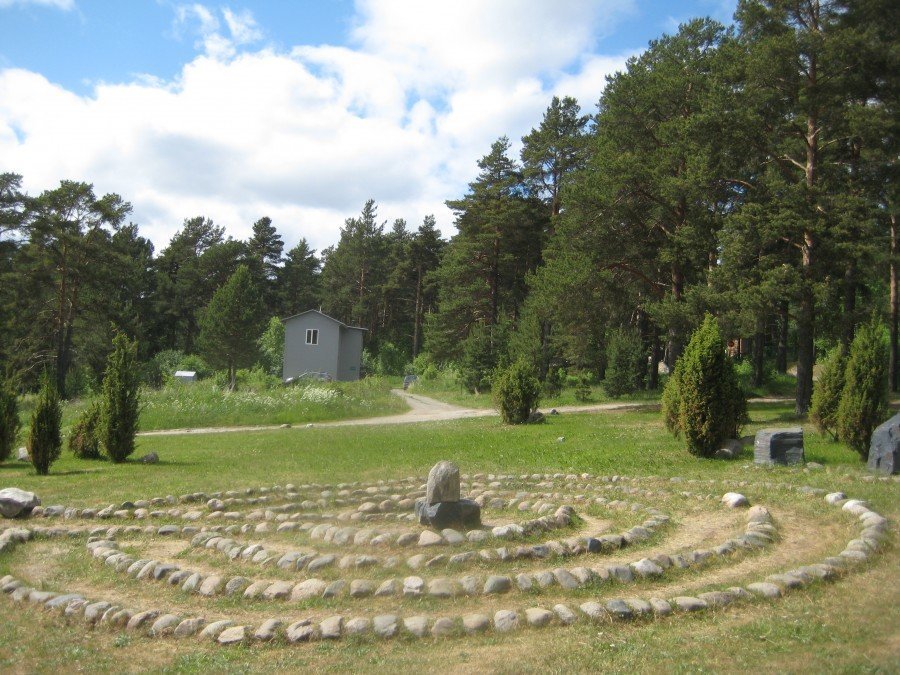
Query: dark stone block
[[779, 446], [884, 451], [464, 513]]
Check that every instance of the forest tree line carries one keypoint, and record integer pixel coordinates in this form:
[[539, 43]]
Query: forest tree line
[[747, 171]]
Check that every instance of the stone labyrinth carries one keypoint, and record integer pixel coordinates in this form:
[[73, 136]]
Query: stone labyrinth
[[300, 563]]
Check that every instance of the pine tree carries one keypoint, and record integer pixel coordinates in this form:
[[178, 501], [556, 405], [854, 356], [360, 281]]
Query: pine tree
[[299, 280], [231, 324], [703, 401], [9, 419], [120, 400], [44, 441], [626, 363], [827, 392], [863, 404]]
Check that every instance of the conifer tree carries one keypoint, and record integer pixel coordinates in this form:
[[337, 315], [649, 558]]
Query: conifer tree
[[231, 324], [84, 439], [120, 402], [44, 441], [864, 400], [827, 392], [703, 401], [9, 419], [516, 392]]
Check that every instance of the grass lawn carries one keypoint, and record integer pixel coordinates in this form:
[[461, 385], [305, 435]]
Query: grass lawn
[[846, 626], [204, 404]]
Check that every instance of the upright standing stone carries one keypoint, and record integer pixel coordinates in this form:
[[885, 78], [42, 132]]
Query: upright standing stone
[[884, 452], [443, 483], [778, 446]]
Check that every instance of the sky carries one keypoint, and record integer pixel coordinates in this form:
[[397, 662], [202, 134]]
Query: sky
[[299, 110]]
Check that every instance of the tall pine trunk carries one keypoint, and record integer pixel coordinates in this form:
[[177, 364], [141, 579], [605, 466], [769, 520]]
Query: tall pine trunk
[[895, 309], [781, 357]]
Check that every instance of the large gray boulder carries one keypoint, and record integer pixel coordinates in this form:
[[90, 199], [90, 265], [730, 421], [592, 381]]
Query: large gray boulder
[[443, 483], [779, 446], [463, 513], [16, 503], [884, 451]]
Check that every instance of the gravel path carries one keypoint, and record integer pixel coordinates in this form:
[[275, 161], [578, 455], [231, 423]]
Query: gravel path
[[423, 409]]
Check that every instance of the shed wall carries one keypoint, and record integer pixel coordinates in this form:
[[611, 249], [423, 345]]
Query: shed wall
[[300, 357]]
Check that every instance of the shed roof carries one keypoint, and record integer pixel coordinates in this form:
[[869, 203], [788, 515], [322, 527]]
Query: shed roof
[[340, 323]]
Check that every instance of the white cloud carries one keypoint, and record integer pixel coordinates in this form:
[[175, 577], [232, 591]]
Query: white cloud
[[307, 136], [64, 5]]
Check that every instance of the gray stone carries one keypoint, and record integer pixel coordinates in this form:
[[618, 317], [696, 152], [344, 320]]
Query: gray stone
[[475, 623], [388, 588], [687, 603], [594, 610], [413, 586], [236, 585], [538, 616], [141, 618], [619, 609], [310, 588], [417, 625], [464, 513], [646, 568], [16, 503], [334, 589], [731, 449], [716, 598], [232, 635], [429, 538], [565, 615], [267, 630], [765, 589], [639, 606], [734, 500], [191, 583], [211, 585], [443, 483], [443, 627], [22, 454], [256, 589], [497, 584], [505, 620], [149, 458], [660, 607], [385, 625], [442, 587], [884, 450], [302, 631], [331, 627], [361, 588], [189, 627], [165, 625], [779, 446], [357, 626]]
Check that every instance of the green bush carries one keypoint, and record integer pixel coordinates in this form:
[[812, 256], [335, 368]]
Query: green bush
[[389, 360], [44, 440], [119, 421], [863, 404], [827, 392], [626, 366], [195, 363], [516, 392], [703, 402], [9, 420], [84, 439]]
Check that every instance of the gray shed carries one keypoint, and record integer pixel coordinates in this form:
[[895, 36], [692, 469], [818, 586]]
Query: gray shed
[[316, 344]]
